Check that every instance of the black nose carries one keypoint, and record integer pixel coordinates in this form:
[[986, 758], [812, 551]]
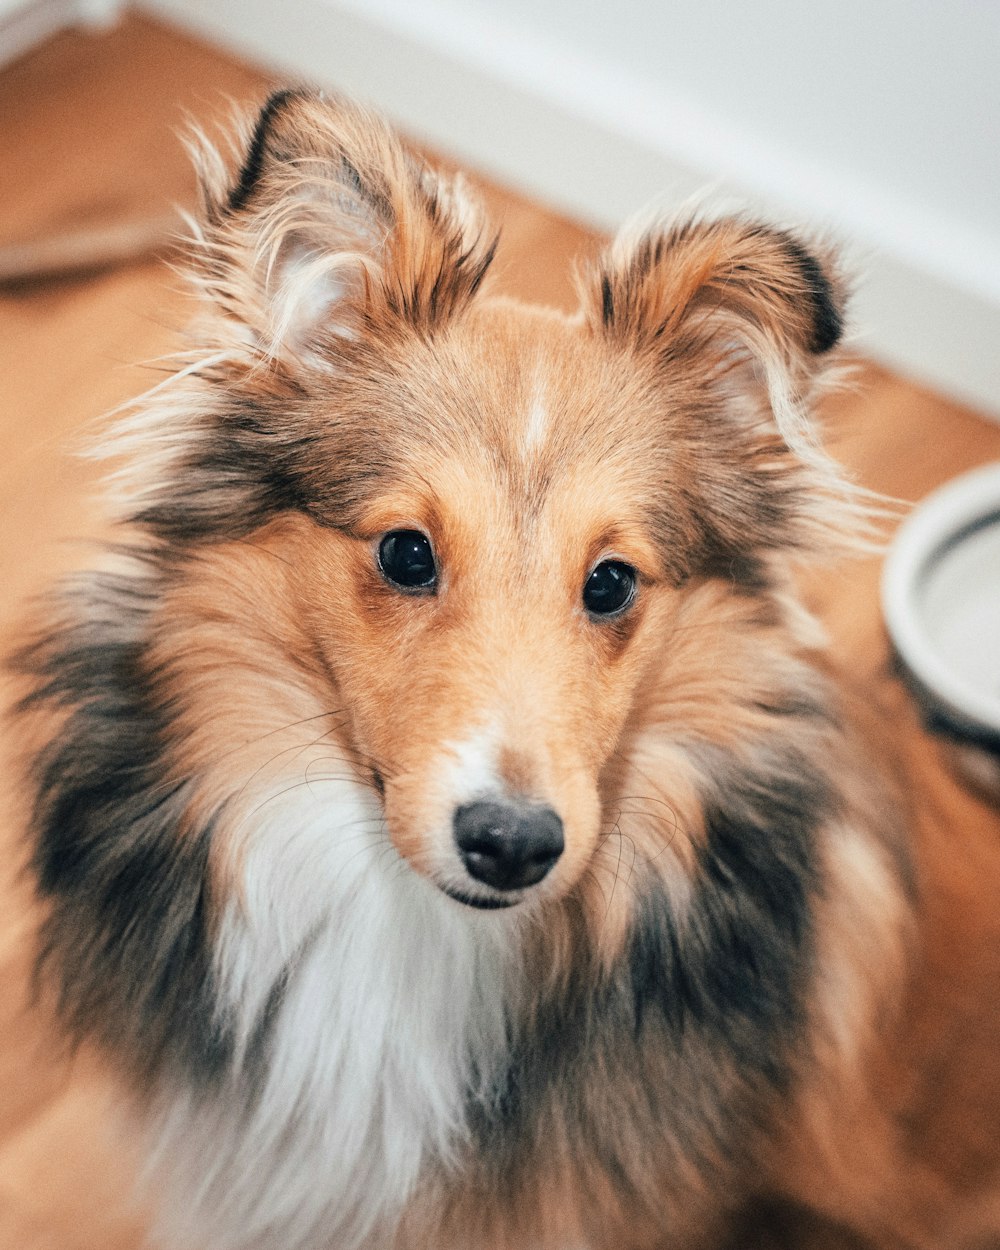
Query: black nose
[[508, 846]]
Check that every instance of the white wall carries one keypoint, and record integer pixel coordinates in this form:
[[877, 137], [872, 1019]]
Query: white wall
[[863, 107]]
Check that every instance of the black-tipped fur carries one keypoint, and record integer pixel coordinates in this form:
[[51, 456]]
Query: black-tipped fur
[[732, 267], [250, 172], [828, 320]]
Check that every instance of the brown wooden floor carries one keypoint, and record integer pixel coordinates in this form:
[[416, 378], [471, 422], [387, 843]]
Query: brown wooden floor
[[89, 130]]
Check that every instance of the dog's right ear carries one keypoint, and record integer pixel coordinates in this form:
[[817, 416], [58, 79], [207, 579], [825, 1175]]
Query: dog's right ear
[[331, 228]]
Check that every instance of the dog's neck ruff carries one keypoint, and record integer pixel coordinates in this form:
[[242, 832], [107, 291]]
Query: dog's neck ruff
[[364, 1007]]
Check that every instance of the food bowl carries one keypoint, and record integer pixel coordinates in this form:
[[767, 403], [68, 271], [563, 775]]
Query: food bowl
[[941, 599]]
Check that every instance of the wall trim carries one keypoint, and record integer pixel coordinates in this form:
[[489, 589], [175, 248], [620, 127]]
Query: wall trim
[[26, 23]]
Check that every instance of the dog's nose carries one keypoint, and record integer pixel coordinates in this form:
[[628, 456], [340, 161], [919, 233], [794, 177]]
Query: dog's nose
[[508, 846]]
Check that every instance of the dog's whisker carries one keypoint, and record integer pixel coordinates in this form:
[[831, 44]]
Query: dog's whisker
[[279, 730], [294, 751]]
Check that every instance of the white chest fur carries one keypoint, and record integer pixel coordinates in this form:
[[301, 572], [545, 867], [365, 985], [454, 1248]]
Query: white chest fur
[[387, 1005]]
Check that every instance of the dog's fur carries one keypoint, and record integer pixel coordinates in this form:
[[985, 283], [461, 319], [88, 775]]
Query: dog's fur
[[254, 744]]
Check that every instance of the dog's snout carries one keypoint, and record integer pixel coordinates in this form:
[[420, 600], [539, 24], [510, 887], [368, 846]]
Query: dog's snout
[[508, 846]]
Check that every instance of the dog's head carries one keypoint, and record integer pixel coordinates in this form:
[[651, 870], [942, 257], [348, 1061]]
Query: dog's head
[[509, 555]]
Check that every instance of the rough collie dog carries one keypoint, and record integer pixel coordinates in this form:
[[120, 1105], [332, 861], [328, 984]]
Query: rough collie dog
[[445, 817]]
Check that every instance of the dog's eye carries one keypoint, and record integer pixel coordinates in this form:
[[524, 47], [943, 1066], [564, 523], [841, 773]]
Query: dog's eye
[[610, 588], [406, 559]]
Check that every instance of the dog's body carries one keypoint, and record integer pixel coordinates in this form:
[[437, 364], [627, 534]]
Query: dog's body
[[412, 558]]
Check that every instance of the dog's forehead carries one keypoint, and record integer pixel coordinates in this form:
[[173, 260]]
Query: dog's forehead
[[522, 410], [536, 395]]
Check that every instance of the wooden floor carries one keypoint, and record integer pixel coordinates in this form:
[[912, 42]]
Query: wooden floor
[[90, 131]]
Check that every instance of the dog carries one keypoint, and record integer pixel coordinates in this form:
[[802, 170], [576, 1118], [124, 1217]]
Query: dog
[[448, 822]]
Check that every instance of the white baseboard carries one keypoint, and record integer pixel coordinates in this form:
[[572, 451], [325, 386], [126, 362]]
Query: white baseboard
[[599, 146], [26, 23]]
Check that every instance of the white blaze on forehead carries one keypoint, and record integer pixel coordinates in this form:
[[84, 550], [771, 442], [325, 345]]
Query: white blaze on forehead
[[537, 421]]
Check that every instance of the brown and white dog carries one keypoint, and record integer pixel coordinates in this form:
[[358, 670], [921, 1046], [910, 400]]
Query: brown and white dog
[[447, 821]]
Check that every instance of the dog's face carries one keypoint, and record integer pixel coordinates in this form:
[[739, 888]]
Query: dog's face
[[483, 522], [489, 609]]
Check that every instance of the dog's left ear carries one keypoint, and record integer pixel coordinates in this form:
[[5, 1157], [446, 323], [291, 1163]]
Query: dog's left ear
[[734, 321], [708, 298]]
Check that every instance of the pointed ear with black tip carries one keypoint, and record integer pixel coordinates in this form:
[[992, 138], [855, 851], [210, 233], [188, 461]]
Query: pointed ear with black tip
[[707, 296], [733, 322], [332, 228]]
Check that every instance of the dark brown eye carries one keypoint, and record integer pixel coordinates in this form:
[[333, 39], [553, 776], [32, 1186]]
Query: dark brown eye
[[610, 588], [406, 559]]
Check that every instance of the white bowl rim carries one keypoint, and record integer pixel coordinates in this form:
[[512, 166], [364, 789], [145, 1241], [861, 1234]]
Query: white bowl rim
[[934, 523]]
